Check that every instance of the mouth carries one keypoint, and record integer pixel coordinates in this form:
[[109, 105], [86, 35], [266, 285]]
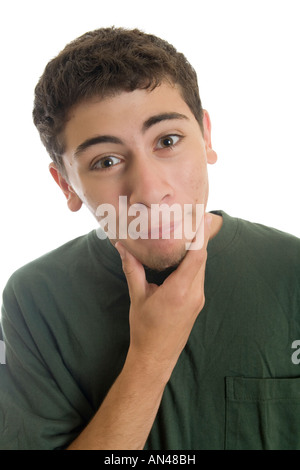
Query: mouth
[[164, 231]]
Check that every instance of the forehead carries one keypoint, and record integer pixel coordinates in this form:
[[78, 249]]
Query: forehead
[[126, 108]]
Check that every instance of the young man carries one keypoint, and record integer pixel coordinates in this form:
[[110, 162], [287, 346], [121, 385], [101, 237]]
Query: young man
[[145, 342]]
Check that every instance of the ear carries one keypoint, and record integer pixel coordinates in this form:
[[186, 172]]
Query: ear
[[211, 154], [73, 200]]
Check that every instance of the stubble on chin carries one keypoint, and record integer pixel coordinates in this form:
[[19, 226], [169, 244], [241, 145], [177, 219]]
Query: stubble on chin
[[160, 263]]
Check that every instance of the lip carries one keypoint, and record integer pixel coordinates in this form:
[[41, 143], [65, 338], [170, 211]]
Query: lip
[[163, 231]]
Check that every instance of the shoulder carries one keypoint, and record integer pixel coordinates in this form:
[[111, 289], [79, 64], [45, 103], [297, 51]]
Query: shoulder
[[271, 251], [256, 239], [51, 262], [268, 239], [59, 271], [84, 262]]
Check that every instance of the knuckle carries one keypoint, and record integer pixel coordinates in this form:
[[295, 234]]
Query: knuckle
[[182, 295], [203, 256], [128, 271], [200, 302]]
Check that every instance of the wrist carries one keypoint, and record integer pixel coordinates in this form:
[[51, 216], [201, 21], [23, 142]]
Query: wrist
[[148, 369]]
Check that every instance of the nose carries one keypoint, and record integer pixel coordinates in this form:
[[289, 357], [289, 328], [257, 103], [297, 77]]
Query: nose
[[148, 182]]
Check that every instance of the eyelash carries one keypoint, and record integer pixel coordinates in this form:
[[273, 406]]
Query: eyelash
[[95, 168], [170, 147]]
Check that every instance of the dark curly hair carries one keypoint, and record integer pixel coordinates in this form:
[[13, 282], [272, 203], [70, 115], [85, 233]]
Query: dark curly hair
[[102, 63]]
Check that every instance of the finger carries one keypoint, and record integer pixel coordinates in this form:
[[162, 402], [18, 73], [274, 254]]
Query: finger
[[195, 259], [201, 237], [134, 272]]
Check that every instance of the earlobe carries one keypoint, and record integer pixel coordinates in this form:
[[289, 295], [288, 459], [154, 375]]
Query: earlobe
[[212, 156], [73, 200]]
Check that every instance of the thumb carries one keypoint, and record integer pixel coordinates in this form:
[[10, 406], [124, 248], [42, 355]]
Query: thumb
[[134, 272]]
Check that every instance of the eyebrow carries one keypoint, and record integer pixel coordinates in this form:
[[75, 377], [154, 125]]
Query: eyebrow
[[161, 117], [102, 139], [99, 139]]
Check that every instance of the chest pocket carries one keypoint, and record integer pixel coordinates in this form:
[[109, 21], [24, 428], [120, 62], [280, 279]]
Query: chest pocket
[[262, 414]]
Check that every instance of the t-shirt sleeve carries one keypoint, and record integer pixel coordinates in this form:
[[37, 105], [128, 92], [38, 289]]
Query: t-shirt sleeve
[[41, 405]]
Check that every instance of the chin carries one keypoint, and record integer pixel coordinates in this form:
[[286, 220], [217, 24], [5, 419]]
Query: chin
[[156, 261]]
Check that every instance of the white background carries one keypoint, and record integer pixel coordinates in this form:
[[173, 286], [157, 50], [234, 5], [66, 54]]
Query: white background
[[247, 56]]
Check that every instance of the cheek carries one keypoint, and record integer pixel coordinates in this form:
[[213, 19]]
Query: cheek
[[194, 182], [94, 193]]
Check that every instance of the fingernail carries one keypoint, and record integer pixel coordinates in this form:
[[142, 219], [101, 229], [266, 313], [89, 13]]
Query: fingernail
[[121, 250]]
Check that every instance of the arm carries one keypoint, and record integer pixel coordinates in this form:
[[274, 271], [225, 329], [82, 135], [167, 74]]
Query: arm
[[125, 417], [161, 319]]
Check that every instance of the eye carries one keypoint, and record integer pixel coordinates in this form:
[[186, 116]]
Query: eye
[[106, 162], [168, 141]]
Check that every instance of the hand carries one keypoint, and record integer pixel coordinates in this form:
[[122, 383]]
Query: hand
[[162, 317]]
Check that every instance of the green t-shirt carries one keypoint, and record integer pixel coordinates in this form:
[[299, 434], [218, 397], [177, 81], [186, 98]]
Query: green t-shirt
[[236, 384]]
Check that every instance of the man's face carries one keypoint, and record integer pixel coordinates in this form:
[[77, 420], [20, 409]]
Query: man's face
[[147, 146]]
